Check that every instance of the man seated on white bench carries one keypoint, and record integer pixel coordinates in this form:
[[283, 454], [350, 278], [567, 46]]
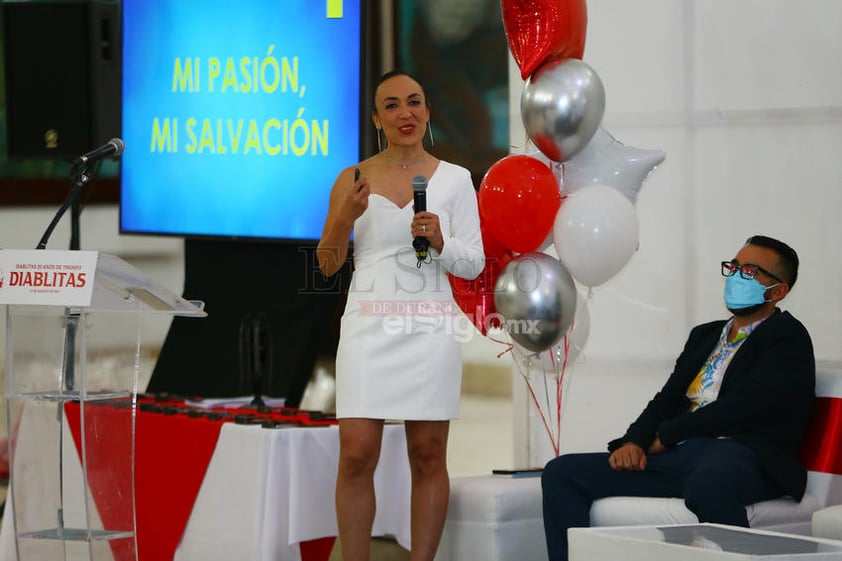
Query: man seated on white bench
[[726, 429]]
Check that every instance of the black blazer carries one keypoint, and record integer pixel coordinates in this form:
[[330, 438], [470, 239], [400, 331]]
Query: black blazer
[[764, 402]]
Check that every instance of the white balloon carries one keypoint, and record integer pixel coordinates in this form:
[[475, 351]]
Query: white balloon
[[579, 330], [607, 161], [595, 233]]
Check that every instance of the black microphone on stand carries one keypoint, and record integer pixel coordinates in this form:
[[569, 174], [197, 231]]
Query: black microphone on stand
[[111, 149], [256, 355], [419, 192]]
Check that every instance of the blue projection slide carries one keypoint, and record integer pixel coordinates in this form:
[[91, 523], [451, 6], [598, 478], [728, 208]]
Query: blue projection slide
[[237, 115]]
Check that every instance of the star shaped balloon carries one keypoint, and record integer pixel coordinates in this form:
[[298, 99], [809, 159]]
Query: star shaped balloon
[[607, 161]]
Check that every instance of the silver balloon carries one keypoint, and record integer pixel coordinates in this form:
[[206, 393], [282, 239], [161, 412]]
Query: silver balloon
[[536, 296], [562, 105]]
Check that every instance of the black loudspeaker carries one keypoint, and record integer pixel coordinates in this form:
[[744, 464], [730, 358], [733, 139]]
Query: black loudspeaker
[[63, 77]]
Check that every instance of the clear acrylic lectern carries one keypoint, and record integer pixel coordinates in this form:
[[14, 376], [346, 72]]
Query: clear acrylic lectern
[[72, 431]]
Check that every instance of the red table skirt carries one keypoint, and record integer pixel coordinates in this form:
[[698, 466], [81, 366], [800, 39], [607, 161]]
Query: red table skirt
[[172, 453]]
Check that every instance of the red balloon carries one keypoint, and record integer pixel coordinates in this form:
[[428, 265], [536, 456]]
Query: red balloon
[[476, 297], [493, 248], [518, 201], [542, 30]]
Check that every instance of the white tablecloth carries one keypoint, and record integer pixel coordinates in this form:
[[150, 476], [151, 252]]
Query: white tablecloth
[[267, 490]]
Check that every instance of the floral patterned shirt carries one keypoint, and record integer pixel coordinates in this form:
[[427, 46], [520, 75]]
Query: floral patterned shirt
[[705, 387]]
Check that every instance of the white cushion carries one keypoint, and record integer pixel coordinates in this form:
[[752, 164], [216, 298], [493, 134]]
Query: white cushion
[[634, 511], [494, 519], [500, 519]]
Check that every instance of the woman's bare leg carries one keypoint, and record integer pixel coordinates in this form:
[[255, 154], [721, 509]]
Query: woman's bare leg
[[359, 451], [427, 444]]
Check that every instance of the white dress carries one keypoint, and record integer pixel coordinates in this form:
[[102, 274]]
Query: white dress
[[400, 343]]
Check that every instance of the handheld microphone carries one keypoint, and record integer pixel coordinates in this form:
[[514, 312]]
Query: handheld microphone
[[111, 149], [419, 192]]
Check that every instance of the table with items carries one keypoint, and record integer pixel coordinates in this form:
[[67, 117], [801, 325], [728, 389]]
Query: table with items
[[237, 483]]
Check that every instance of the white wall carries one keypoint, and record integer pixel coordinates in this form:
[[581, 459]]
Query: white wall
[[745, 98]]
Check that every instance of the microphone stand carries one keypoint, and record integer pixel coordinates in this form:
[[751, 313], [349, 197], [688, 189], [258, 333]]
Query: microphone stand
[[256, 356], [78, 181], [71, 318], [75, 214]]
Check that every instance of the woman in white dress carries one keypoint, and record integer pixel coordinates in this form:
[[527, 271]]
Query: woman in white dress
[[399, 354]]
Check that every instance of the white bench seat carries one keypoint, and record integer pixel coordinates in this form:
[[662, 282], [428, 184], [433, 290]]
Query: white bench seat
[[500, 519]]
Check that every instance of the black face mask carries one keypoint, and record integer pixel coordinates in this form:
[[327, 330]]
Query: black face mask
[[745, 311]]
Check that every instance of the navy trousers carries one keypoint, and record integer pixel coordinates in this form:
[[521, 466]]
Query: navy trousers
[[716, 478]]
